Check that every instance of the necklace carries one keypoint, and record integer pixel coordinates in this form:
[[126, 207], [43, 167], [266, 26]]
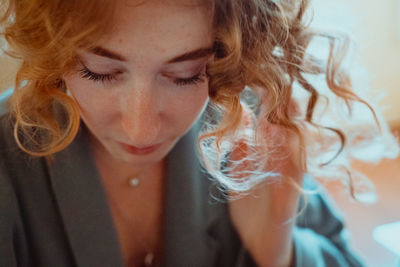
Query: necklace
[[149, 259], [134, 181], [152, 253]]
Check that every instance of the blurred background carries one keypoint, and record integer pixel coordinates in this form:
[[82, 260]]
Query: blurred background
[[375, 27]]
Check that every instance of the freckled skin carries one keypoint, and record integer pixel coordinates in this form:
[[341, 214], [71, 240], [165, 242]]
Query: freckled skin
[[144, 107]]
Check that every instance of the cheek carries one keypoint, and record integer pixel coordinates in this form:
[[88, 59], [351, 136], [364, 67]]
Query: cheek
[[91, 101], [187, 107], [178, 107]]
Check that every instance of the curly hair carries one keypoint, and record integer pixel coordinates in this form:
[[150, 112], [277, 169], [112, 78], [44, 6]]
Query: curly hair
[[262, 50], [261, 65]]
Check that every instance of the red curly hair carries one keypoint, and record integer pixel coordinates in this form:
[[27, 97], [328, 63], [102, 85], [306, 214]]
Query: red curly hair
[[260, 47]]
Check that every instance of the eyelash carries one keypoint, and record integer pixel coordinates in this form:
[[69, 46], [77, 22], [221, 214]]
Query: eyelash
[[198, 78], [97, 77]]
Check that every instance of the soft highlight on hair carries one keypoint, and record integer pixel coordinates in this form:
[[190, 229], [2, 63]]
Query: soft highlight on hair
[[263, 74], [262, 50], [45, 36]]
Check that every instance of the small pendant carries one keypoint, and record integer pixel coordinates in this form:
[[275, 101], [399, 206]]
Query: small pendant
[[133, 182], [149, 259]]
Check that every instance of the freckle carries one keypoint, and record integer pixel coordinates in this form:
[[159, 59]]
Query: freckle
[[120, 41]]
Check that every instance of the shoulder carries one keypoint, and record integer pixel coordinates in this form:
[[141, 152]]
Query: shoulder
[[10, 219], [9, 154], [16, 168], [13, 248], [7, 146], [9, 150], [15, 198]]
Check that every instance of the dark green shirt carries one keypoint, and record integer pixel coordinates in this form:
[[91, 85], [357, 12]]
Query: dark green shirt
[[57, 215]]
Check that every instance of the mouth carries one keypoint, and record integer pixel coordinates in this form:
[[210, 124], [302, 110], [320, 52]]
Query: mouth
[[139, 151]]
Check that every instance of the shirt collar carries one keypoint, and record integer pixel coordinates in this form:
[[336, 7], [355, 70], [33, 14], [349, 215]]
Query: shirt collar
[[87, 218]]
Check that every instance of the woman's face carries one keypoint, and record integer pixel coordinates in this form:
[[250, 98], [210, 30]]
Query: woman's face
[[145, 83]]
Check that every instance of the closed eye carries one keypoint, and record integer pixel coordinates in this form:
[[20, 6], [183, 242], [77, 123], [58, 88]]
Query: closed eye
[[198, 78], [88, 74], [109, 77]]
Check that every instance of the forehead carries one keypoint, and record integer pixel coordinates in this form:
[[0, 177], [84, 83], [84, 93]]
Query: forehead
[[159, 28]]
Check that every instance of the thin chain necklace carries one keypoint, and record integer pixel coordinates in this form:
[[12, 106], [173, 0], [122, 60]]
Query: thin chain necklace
[[133, 182], [150, 256]]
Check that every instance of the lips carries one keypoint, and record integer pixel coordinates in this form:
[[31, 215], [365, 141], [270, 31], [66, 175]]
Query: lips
[[139, 151]]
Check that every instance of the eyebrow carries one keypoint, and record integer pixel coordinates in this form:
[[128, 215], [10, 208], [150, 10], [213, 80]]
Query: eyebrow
[[192, 55], [103, 52]]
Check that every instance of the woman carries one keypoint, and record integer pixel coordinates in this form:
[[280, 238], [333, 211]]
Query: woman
[[99, 166]]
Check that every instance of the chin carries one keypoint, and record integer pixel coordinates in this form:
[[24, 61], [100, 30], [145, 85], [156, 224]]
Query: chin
[[150, 158]]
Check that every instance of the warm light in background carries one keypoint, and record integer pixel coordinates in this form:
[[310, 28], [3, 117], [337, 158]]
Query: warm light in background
[[375, 28]]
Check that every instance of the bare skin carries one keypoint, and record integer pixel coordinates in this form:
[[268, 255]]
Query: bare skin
[[137, 212], [146, 100], [265, 218]]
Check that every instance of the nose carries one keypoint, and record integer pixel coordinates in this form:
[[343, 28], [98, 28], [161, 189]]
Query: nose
[[140, 116]]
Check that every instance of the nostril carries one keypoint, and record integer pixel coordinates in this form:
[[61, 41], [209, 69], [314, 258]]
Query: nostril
[[141, 132]]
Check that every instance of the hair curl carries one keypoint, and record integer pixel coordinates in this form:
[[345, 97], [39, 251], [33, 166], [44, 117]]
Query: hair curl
[[261, 64], [45, 35]]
